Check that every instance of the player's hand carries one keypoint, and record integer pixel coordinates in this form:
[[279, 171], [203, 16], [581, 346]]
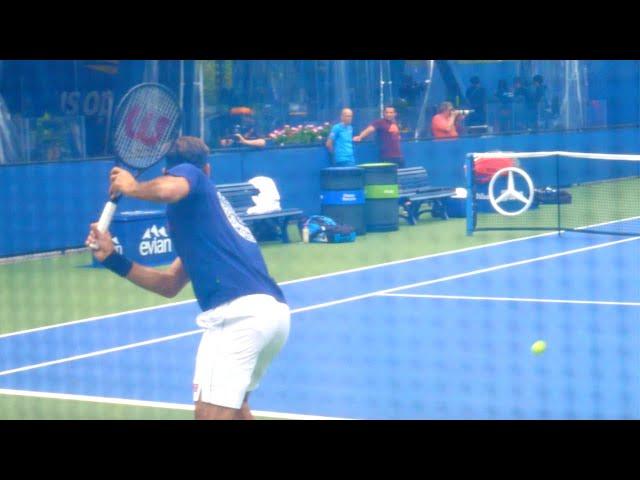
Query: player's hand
[[357, 138], [122, 182], [102, 240]]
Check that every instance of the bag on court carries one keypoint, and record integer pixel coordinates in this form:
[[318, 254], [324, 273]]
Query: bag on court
[[325, 230], [552, 196], [485, 168]]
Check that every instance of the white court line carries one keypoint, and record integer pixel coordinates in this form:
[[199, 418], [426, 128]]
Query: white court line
[[152, 341], [508, 265], [99, 352], [512, 299], [315, 277], [331, 303], [288, 282], [608, 223], [147, 403], [91, 319], [449, 252]]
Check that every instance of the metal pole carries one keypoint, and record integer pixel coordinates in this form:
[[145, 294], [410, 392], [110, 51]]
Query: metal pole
[[471, 195], [389, 81], [181, 92], [201, 92], [421, 119], [189, 105], [381, 89]]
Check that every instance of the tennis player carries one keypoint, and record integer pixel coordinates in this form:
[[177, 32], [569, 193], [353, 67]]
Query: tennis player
[[244, 312]]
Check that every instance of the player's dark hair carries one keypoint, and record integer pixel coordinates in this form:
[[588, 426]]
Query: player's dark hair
[[188, 150]]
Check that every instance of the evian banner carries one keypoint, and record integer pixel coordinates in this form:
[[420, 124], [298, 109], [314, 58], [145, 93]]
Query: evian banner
[[154, 241], [143, 236]]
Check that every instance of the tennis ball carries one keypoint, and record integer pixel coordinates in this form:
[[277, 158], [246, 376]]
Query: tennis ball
[[539, 347]]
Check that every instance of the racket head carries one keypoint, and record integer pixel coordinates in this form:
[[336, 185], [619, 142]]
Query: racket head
[[146, 125]]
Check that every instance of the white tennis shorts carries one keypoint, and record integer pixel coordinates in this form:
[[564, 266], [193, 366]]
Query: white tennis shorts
[[241, 339]]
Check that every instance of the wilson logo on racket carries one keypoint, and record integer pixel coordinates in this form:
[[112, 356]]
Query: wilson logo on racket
[[155, 241], [149, 129]]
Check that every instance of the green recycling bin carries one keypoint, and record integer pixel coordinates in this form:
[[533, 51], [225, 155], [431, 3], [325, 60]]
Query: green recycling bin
[[381, 196]]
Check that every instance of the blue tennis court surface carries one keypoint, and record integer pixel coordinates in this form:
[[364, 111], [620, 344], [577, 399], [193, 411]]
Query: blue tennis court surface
[[445, 336]]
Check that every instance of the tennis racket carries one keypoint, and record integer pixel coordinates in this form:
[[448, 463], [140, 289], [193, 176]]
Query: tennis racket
[[146, 125]]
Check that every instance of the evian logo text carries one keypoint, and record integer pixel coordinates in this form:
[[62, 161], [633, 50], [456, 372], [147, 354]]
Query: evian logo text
[[155, 241], [116, 245]]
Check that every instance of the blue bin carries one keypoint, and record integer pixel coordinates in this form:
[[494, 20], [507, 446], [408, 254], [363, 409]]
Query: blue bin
[[456, 206], [342, 197], [142, 236]]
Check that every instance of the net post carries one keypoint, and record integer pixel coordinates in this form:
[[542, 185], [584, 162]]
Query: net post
[[470, 193]]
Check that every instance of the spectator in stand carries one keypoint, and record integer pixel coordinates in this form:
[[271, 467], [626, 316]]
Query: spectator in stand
[[477, 98], [251, 142], [340, 141], [519, 90], [410, 90], [241, 129], [387, 136], [505, 100], [444, 124], [518, 107], [535, 101]]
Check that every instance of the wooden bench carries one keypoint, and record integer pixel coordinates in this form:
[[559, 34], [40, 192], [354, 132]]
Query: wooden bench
[[239, 196], [415, 192]]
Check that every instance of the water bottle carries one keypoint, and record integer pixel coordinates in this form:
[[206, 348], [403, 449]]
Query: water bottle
[[305, 234]]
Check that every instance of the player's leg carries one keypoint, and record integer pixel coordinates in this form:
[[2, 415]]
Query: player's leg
[[208, 411], [234, 354], [245, 412], [275, 331], [214, 395], [274, 323], [225, 362], [276, 336]]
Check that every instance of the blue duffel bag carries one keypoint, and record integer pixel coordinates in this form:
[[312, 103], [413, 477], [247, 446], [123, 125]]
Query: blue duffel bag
[[325, 230]]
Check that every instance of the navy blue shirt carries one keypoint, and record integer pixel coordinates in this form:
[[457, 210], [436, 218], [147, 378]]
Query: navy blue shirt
[[217, 250]]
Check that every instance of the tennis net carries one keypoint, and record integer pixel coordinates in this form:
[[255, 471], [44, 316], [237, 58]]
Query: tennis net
[[556, 190]]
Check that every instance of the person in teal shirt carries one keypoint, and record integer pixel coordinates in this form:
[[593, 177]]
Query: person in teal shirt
[[340, 141]]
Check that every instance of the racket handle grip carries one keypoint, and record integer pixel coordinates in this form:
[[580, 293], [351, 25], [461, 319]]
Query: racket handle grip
[[105, 220]]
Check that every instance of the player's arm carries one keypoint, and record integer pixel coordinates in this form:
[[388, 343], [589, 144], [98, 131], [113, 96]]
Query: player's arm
[[365, 133], [165, 189], [167, 283]]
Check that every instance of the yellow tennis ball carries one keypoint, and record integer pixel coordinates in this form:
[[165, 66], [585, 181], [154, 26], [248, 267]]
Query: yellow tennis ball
[[538, 347]]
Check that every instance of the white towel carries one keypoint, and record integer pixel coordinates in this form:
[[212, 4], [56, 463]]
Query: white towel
[[268, 200]]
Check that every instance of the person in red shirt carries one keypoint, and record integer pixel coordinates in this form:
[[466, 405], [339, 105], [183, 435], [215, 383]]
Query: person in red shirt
[[443, 124], [388, 137]]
